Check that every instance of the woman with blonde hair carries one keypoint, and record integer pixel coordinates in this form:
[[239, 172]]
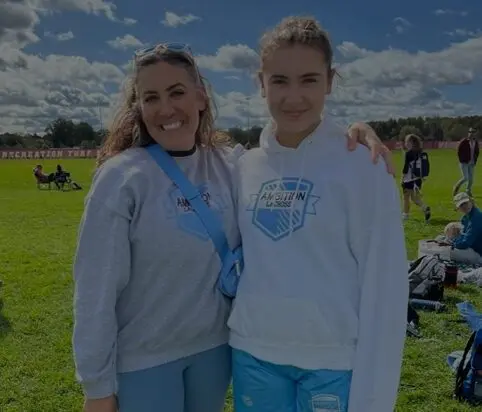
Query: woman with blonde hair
[[412, 178], [150, 328]]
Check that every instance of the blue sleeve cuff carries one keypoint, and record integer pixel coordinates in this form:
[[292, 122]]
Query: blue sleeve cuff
[[99, 389]]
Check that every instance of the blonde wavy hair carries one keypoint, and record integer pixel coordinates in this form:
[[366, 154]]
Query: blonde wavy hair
[[415, 141], [128, 129]]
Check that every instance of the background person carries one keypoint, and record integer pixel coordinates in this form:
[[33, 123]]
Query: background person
[[412, 177], [467, 246], [468, 154]]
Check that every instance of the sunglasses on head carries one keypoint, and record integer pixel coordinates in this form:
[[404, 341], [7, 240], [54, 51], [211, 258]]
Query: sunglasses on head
[[181, 48], [173, 47]]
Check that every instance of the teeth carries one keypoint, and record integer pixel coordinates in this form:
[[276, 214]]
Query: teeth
[[172, 126]]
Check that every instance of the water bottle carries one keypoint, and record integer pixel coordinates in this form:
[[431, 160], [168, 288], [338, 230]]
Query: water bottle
[[431, 305], [451, 273]]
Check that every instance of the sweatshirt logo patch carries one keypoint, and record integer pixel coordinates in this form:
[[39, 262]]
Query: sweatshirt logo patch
[[281, 205], [179, 208], [325, 403]]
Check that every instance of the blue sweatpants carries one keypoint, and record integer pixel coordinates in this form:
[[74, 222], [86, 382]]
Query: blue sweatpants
[[265, 387], [197, 383]]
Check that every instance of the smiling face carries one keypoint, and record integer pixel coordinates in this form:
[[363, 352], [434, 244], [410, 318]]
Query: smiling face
[[170, 102], [295, 81]]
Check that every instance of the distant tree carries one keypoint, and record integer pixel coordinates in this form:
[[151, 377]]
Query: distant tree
[[61, 133], [84, 132], [88, 144], [66, 133], [409, 129]]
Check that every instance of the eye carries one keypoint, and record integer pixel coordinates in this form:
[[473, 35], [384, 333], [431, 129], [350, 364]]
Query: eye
[[178, 93], [310, 80], [278, 81], [150, 98]]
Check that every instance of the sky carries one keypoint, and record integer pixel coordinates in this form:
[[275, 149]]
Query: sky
[[69, 58]]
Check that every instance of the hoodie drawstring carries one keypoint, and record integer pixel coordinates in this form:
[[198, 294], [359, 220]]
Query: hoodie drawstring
[[279, 183], [298, 182]]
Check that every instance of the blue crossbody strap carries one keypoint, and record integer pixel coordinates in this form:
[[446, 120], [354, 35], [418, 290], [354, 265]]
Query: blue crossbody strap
[[210, 220]]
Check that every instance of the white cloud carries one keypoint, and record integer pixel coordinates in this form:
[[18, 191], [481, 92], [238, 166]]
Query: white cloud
[[442, 12], [350, 50], [464, 33], [35, 90], [174, 20], [17, 23], [236, 58], [18, 18], [126, 42], [373, 85], [401, 24], [60, 36], [95, 7], [130, 22]]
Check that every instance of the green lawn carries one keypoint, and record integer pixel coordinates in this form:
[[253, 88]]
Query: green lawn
[[37, 241]]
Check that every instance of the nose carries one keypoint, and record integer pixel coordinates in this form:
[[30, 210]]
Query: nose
[[294, 95], [165, 107]]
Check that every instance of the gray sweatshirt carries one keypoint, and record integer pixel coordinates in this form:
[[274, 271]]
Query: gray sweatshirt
[[145, 269]]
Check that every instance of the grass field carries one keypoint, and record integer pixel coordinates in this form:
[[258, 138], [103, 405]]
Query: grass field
[[37, 240]]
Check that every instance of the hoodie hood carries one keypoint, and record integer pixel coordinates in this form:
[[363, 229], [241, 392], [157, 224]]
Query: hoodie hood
[[268, 141]]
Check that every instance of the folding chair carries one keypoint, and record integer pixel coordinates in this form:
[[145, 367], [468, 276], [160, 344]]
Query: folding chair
[[43, 182]]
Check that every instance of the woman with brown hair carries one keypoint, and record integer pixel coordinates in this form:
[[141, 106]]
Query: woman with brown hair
[[412, 178]]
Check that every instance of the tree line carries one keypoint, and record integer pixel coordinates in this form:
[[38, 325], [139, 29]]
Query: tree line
[[66, 133]]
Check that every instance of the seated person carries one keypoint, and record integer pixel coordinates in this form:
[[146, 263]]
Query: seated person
[[61, 177], [451, 232], [467, 245], [41, 176]]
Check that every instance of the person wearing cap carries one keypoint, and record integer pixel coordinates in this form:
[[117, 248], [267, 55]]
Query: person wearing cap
[[468, 153], [467, 247]]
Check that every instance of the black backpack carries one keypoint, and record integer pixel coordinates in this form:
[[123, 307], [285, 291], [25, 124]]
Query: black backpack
[[426, 278], [468, 379]]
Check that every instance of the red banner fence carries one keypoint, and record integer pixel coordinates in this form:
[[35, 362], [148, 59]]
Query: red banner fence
[[92, 153], [48, 154]]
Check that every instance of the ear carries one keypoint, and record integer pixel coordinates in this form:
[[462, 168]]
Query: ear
[[261, 85]]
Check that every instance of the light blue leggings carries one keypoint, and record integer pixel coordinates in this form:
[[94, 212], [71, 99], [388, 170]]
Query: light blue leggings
[[197, 383], [265, 387]]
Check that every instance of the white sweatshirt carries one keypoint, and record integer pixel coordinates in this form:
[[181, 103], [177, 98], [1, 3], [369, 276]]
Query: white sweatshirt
[[325, 284]]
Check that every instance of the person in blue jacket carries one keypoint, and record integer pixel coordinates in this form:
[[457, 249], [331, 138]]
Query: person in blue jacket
[[467, 247]]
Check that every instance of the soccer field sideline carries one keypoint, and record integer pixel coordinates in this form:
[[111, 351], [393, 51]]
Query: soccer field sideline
[[37, 240]]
